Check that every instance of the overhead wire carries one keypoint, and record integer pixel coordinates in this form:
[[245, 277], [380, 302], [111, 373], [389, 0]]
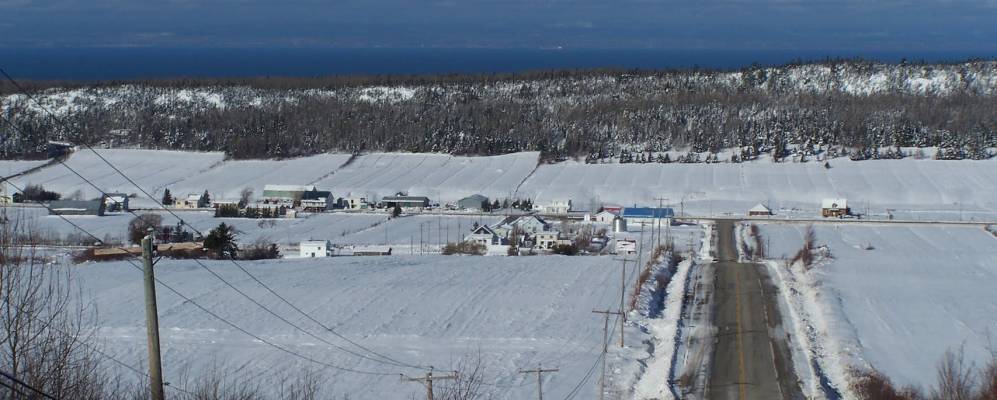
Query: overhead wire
[[296, 308], [215, 315]]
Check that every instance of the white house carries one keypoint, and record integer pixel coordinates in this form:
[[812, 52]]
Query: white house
[[554, 207], [485, 236], [314, 248], [530, 224], [193, 200], [547, 240], [604, 217], [356, 203], [626, 246]]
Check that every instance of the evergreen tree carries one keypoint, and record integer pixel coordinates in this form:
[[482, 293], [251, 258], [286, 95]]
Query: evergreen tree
[[167, 198], [221, 241]]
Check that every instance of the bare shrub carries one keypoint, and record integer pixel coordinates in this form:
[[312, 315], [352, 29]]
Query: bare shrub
[[261, 250], [138, 227], [873, 385], [466, 248], [807, 254], [955, 378], [469, 382]]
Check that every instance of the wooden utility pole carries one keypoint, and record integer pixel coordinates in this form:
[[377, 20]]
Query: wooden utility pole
[[623, 290], [605, 348], [428, 381], [660, 205], [540, 382], [152, 321]]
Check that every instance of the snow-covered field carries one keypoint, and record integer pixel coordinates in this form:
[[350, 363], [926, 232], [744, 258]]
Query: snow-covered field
[[908, 189], [725, 187], [898, 306], [153, 170], [428, 310]]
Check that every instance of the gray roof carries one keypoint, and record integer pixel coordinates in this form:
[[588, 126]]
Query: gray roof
[[88, 206]]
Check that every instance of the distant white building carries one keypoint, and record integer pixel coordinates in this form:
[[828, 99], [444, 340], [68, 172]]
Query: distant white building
[[485, 236], [116, 202], [193, 200], [554, 207], [759, 210], [604, 217], [547, 240], [626, 246], [314, 248], [356, 203], [834, 208]]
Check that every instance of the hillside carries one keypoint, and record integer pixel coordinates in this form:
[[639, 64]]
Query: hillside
[[852, 106]]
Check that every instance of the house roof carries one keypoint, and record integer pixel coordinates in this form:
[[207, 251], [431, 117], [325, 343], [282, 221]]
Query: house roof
[[287, 188], [313, 243], [603, 212], [483, 229], [474, 197], [760, 208], [834, 203], [314, 194], [647, 212], [406, 198], [193, 196]]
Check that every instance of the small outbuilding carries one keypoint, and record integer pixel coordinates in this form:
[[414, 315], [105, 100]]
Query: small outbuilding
[[77, 207], [759, 210], [605, 216], [314, 248], [406, 201], [116, 202], [834, 208]]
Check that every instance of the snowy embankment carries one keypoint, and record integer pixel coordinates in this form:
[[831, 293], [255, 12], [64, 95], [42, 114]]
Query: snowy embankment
[[430, 310], [891, 298], [659, 316]]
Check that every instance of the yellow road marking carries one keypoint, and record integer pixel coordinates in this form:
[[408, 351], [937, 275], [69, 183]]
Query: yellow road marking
[[742, 376]]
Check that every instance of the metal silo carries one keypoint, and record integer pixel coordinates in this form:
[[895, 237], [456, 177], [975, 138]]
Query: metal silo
[[619, 224]]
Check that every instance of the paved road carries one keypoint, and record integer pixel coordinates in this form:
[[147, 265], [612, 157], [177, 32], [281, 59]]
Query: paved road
[[747, 362]]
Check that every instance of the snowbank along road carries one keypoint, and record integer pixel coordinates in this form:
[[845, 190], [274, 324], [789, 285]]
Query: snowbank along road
[[748, 361]]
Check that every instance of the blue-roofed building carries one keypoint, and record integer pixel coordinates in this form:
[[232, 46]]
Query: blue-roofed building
[[642, 215]]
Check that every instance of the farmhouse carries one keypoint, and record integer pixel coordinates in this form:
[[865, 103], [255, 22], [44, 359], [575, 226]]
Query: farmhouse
[[485, 236], [406, 201], [472, 202], [355, 203], [193, 200], [116, 202], [605, 217], [77, 207], [316, 200], [314, 248], [530, 224], [834, 208], [646, 215], [554, 207], [547, 240], [759, 210]]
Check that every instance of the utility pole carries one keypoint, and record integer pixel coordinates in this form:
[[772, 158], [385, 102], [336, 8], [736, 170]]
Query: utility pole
[[540, 382], [605, 349], [623, 289], [152, 321], [428, 381]]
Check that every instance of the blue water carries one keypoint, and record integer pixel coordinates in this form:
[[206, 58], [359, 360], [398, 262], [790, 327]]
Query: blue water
[[133, 63]]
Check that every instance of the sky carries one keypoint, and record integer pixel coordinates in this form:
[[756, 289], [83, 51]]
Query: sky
[[936, 25]]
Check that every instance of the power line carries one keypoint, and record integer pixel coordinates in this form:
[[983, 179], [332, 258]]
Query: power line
[[384, 359], [12, 389], [25, 384], [387, 360], [215, 315]]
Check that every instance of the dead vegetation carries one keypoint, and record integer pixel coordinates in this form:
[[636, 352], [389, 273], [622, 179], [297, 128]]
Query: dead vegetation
[[956, 379], [808, 253]]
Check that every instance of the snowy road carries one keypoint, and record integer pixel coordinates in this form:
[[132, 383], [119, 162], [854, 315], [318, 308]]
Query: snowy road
[[748, 362]]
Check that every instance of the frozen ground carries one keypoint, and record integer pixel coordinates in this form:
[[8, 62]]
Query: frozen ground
[[788, 188], [153, 170], [898, 306], [430, 310], [908, 189]]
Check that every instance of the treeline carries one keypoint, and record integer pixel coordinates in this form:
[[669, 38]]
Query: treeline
[[858, 107]]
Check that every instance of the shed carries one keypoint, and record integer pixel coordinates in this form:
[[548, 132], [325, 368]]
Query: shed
[[77, 207], [759, 210], [116, 202], [472, 202], [834, 208], [314, 248], [371, 251]]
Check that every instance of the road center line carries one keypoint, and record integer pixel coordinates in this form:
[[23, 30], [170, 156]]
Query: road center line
[[742, 375]]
